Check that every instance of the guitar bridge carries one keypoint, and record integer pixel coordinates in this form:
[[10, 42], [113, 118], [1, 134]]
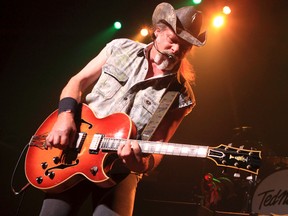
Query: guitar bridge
[[94, 146]]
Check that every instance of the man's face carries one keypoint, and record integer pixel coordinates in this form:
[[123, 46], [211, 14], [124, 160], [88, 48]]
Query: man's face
[[170, 44]]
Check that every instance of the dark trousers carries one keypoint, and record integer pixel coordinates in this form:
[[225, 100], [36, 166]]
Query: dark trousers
[[117, 200]]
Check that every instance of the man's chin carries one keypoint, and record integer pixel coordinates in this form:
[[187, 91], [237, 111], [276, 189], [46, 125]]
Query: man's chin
[[163, 63], [166, 66]]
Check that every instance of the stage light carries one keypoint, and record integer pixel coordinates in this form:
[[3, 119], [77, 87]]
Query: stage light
[[226, 10], [218, 21], [117, 25], [144, 32], [196, 1]]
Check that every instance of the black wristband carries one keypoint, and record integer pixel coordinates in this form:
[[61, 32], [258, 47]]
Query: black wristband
[[67, 104]]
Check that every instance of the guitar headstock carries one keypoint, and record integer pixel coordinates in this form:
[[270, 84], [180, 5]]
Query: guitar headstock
[[236, 158]]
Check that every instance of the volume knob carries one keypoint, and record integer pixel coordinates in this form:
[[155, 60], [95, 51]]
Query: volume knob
[[39, 179], [56, 160], [51, 175], [44, 165], [94, 170]]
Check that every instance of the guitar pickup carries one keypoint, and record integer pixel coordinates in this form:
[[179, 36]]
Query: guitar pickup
[[94, 146], [80, 140]]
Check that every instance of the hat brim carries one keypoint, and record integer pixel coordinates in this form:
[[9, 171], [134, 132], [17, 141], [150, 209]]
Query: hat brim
[[166, 12], [199, 41]]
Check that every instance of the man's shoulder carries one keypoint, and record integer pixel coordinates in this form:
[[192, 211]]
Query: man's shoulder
[[127, 43]]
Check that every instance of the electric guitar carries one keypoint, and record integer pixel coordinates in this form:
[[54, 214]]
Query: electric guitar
[[94, 155]]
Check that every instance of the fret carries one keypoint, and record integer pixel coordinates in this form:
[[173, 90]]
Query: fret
[[162, 148], [104, 143], [167, 149], [170, 149], [145, 147], [157, 148], [193, 151], [202, 151], [177, 150], [117, 142], [110, 143]]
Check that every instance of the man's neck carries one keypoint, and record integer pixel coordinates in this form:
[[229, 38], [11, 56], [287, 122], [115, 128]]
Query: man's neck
[[153, 70]]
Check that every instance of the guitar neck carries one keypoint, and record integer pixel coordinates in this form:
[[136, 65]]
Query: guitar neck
[[222, 155], [111, 144]]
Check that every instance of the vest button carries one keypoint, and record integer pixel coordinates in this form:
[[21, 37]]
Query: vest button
[[148, 102]]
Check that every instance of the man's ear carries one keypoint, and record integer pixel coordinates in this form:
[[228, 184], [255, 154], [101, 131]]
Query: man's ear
[[156, 32]]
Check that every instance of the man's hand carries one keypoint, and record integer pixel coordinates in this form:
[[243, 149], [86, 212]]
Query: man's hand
[[63, 132], [132, 156]]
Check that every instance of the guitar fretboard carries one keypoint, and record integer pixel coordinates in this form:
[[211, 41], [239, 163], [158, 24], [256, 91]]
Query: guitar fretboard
[[111, 144], [174, 149]]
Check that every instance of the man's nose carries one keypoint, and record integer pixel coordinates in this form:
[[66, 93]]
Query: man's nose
[[175, 48]]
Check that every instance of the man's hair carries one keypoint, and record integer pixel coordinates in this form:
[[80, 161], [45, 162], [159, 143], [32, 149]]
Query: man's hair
[[187, 76], [159, 25]]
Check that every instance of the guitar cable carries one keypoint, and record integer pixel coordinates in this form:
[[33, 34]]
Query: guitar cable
[[14, 171], [21, 191]]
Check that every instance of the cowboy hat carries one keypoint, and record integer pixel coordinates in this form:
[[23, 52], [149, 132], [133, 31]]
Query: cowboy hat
[[186, 22]]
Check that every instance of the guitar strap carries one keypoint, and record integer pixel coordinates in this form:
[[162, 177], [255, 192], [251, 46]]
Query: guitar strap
[[165, 103]]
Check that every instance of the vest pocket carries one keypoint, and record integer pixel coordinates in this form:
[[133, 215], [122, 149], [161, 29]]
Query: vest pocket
[[149, 104], [111, 80]]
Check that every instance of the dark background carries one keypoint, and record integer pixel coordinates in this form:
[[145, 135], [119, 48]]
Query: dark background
[[241, 82]]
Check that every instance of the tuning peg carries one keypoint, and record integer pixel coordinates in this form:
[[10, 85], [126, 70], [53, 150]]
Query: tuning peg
[[228, 146], [250, 177], [240, 148], [237, 175]]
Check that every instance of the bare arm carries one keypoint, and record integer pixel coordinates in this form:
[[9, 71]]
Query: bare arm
[[64, 129]]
